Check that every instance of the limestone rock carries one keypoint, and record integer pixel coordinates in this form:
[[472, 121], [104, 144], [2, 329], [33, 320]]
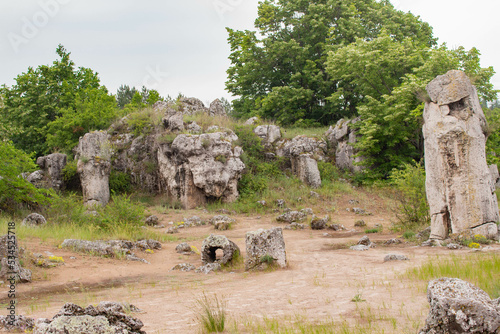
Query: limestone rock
[[194, 128], [94, 156], [359, 248], [251, 121], [342, 138], [319, 223], [457, 307], [365, 241], [184, 267], [208, 268], [51, 173], [152, 221], [495, 176], [76, 324], [34, 220], [173, 123], [214, 242], [291, 217], [268, 133], [191, 105], [459, 186], [217, 108], [11, 268], [197, 167], [183, 248], [360, 223], [395, 257], [264, 245], [17, 323], [302, 145], [306, 168]]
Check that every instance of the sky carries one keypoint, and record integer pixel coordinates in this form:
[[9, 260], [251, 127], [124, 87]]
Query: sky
[[181, 46]]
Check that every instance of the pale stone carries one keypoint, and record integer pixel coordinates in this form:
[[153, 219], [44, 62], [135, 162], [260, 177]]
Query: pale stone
[[342, 139], [263, 245], [217, 108], [268, 133], [459, 186], [306, 169]]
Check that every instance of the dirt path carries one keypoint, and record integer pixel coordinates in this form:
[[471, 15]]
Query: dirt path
[[319, 284]]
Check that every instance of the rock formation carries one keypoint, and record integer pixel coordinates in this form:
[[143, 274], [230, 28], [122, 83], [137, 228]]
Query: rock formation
[[265, 247], [210, 246], [457, 307], [11, 269], [342, 138], [268, 133], [94, 165], [196, 168], [460, 190], [50, 175], [217, 108], [306, 169]]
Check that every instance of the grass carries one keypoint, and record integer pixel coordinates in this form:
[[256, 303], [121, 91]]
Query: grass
[[290, 133], [205, 122], [211, 314], [480, 269]]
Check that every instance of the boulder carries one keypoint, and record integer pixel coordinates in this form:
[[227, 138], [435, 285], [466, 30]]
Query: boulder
[[184, 267], [302, 145], [196, 168], [319, 223], [183, 248], [208, 268], [264, 247], [34, 220], [191, 105], [152, 221], [459, 186], [306, 169], [251, 121], [217, 108], [17, 323], [342, 138], [395, 257], [291, 217], [457, 307], [174, 122], [268, 133], [51, 173], [94, 165], [194, 128], [11, 269], [214, 242]]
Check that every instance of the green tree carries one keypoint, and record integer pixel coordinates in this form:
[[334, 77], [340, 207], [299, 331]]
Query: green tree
[[38, 97], [282, 74], [124, 95], [493, 143], [14, 189]]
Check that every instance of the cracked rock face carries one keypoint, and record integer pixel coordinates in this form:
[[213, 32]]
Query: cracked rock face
[[94, 167], [265, 246], [459, 186], [51, 173], [342, 137], [196, 168], [457, 307], [214, 242]]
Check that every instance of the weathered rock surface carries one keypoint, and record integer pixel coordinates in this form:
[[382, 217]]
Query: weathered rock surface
[[251, 121], [106, 317], [17, 323], [291, 217], [264, 245], [112, 248], [459, 186], [152, 221], [319, 223], [342, 138], [302, 145], [395, 257], [196, 168], [34, 220], [10, 266], [94, 166], [495, 176], [217, 108], [214, 242], [184, 267], [208, 268], [173, 122], [457, 307], [306, 169], [268, 133], [50, 175], [183, 248]]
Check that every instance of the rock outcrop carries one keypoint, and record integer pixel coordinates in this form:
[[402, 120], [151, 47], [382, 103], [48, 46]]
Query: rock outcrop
[[197, 168], [210, 246], [94, 166], [217, 108], [306, 169], [342, 138], [459, 186], [265, 247], [457, 307], [11, 269], [269, 134], [51, 173]]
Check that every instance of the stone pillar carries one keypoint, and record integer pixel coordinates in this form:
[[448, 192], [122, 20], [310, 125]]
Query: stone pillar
[[459, 187], [94, 165]]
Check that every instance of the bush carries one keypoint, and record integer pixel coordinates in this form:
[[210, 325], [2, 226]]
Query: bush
[[412, 208], [71, 177], [119, 182], [15, 191]]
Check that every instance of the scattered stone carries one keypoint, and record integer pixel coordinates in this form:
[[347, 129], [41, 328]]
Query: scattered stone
[[365, 241], [17, 323], [280, 203], [132, 257], [193, 221], [251, 121], [360, 223], [172, 230], [222, 225], [359, 248], [307, 211], [184, 267], [313, 194], [393, 241], [34, 220], [353, 202], [194, 128], [152, 221], [295, 226], [335, 227], [183, 248], [94, 166], [318, 223], [208, 268], [395, 257], [358, 211], [263, 203], [264, 247], [147, 244], [457, 306], [214, 242], [453, 246], [221, 222], [291, 217], [455, 132]]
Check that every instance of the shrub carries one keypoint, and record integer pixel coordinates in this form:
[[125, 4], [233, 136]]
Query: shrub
[[412, 207], [71, 177], [15, 191], [143, 121], [119, 182]]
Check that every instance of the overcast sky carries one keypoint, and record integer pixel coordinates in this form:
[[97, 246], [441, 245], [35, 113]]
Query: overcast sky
[[181, 46]]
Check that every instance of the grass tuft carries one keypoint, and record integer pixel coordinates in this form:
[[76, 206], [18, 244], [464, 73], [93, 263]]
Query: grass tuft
[[211, 314]]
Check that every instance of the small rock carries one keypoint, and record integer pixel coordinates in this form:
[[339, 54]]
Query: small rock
[[395, 257], [335, 227], [313, 194], [295, 226], [34, 220], [208, 268], [453, 246], [172, 230], [184, 267], [319, 224], [307, 211], [132, 257], [360, 223], [291, 217], [193, 221], [358, 211], [393, 241], [365, 241], [152, 221], [359, 248], [280, 203], [183, 248], [263, 203], [222, 225], [353, 202]]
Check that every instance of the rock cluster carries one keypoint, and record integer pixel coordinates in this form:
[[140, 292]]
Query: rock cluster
[[459, 186], [50, 174], [94, 166], [457, 307], [342, 138], [106, 317], [264, 247]]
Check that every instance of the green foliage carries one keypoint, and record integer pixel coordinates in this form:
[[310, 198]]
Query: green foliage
[[211, 314], [373, 230], [408, 234], [15, 191], [143, 121], [493, 143], [282, 75], [39, 97], [328, 171], [130, 99], [119, 182], [412, 208]]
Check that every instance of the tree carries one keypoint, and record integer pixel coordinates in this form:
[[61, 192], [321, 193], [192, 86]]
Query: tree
[[282, 75], [38, 97], [124, 95]]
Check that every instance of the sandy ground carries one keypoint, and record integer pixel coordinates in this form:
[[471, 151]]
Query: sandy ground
[[319, 284]]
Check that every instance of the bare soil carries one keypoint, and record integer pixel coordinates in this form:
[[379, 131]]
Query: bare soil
[[322, 279]]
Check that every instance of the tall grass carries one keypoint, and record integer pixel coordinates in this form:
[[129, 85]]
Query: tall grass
[[482, 270], [211, 314], [290, 133]]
